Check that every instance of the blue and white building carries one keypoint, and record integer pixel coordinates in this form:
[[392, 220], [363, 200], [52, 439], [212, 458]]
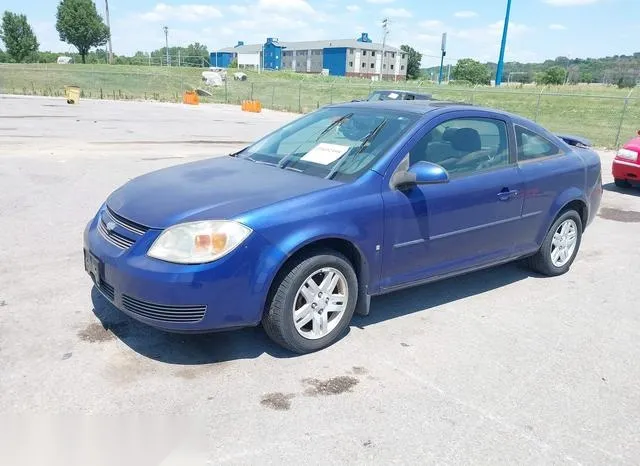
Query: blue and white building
[[341, 57]]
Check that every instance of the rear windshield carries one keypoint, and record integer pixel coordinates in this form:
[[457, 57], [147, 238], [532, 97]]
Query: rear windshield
[[385, 95], [333, 143]]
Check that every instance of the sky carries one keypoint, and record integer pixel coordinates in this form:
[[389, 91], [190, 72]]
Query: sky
[[538, 29]]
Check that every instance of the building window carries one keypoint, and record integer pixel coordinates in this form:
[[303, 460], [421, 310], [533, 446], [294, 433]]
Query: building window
[[402, 68], [403, 55], [364, 53], [384, 67], [373, 53], [373, 65], [393, 55], [363, 65], [350, 51], [351, 64], [391, 66]]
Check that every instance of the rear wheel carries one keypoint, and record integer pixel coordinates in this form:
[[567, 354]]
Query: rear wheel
[[622, 183], [312, 303], [560, 246]]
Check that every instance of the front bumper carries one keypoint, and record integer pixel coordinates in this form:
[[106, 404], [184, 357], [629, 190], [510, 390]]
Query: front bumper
[[227, 293], [626, 170]]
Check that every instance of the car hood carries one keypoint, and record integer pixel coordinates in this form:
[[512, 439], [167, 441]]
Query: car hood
[[217, 188]]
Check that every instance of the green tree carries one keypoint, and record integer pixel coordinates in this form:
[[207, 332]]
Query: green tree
[[554, 75], [80, 25], [471, 70], [586, 77], [18, 37], [413, 61]]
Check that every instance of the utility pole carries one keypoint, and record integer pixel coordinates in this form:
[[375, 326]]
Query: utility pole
[[166, 40], [106, 5], [385, 29], [443, 49], [503, 45]]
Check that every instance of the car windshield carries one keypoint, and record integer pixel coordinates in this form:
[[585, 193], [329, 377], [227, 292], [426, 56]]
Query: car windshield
[[334, 143]]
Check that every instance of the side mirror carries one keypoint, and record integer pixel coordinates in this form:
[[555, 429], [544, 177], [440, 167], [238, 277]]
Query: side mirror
[[420, 173]]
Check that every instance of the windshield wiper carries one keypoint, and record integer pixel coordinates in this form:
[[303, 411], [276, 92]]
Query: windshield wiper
[[285, 160], [251, 159], [293, 169], [366, 141], [334, 124]]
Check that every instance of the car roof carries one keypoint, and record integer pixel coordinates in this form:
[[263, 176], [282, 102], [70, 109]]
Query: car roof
[[422, 107], [401, 91]]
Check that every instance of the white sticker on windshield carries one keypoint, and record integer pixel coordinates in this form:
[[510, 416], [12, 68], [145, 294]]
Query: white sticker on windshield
[[393, 95], [325, 153]]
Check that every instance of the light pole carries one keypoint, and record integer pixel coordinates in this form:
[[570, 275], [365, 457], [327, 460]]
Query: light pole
[[166, 41], [443, 49], [385, 29], [503, 45], [106, 5]]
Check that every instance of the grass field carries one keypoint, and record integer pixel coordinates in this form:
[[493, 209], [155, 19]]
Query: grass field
[[596, 112]]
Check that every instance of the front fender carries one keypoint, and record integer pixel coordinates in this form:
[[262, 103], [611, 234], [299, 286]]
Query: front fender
[[285, 244]]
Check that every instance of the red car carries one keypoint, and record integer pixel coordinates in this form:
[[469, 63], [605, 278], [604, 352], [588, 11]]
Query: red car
[[626, 165]]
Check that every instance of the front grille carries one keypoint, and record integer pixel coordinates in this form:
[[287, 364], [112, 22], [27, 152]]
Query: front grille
[[107, 290], [114, 238], [164, 313], [110, 215]]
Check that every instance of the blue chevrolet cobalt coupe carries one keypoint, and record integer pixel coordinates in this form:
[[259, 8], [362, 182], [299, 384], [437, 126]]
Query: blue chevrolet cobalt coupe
[[300, 229]]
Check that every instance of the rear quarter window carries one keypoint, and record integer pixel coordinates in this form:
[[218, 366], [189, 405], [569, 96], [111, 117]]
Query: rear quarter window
[[532, 146]]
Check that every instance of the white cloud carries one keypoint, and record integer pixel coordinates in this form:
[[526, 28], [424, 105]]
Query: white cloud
[[465, 14], [429, 38], [353, 8], [185, 13], [238, 9], [515, 29], [557, 27], [379, 2], [432, 24], [286, 6], [570, 2], [397, 13]]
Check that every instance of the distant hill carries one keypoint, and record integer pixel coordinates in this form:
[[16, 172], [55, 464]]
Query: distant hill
[[607, 70]]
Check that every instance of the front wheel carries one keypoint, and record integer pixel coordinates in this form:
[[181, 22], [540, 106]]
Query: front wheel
[[312, 303], [560, 246]]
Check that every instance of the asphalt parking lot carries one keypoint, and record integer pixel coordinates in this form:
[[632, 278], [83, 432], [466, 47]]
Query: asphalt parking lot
[[497, 367]]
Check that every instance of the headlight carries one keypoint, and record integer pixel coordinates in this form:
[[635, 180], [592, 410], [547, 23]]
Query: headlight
[[198, 242], [627, 154]]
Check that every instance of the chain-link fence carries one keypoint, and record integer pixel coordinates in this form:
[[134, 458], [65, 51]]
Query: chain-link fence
[[606, 115]]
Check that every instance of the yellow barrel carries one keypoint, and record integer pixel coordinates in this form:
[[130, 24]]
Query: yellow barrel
[[72, 93]]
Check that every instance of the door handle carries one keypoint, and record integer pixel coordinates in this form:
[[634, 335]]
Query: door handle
[[506, 194]]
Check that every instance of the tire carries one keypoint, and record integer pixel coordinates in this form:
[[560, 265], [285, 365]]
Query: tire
[[543, 261], [287, 295], [624, 184]]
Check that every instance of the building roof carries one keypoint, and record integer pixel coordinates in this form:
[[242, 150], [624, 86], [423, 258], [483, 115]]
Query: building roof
[[313, 45]]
